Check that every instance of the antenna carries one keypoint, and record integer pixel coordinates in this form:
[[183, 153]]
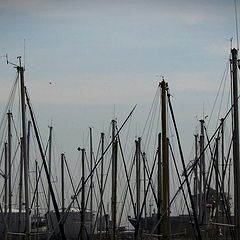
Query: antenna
[[236, 21]]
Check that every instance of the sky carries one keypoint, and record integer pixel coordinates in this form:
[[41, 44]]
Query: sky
[[88, 62]]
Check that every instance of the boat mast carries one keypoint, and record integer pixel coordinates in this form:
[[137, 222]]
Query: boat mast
[[138, 184], [165, 163], [5, 179], [5, 188], [62, 183], [91, 183], [195, 190], [114, 179], [203, 213], [159, 207], [101, 184], [216, 185], [24, 149], [37, 197], [234, 63], [83, 196], [49, 166], [9, 114]]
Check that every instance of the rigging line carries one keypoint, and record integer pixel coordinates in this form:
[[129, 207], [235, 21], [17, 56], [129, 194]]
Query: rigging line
[[236, 22], [224, 86], [151, 109], [145, 196], [218, 92], [102, 202], [13, 90], [128, 180], [179, 179], [71, 180], [146, 167], [184, 168], [39, 176]]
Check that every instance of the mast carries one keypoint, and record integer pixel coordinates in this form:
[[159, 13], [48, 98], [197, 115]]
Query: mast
[[5, 179], [62, 181], [159, 207], [24, 149], [83, 196], [234, 63], [91, 183], [5, 188], [9, 114], [138, 184], [223, 170], [114, 179], [49, 166], [37, 197], [144, 189], [165, 163], [203, 185], [101, 184], [216, 185], [20, 183], [195, 190]]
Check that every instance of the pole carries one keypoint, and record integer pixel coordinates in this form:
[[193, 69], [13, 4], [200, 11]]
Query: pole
[[5, 179], [9, 114], [165, 163], [216, 185], [62, 178], [159, 207], [24, 149], [6, 189], [37, 197], [49, 167], [195, 190], [83, 197], [236, 170], [138, 184], [114, 180], [91, 183], [101, 183]]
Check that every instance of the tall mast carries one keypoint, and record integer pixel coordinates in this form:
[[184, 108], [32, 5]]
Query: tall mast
[[91, 183], [24, 149], [20, 183], [138, 184], [203, 213], [236, 169], [165, 163], [6, 177], [49, 166], [101, 183], [195, 190], [159, 207], [216, 185], [114, 180], [83, 196], [223, 170], [9, 114], [37, 197], [5, 186], [62, 181]]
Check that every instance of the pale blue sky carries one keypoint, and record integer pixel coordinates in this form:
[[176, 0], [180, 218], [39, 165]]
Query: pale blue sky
[[101, 54]]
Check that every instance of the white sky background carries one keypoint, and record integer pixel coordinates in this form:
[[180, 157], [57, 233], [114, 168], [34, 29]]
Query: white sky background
[[105, 55]]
